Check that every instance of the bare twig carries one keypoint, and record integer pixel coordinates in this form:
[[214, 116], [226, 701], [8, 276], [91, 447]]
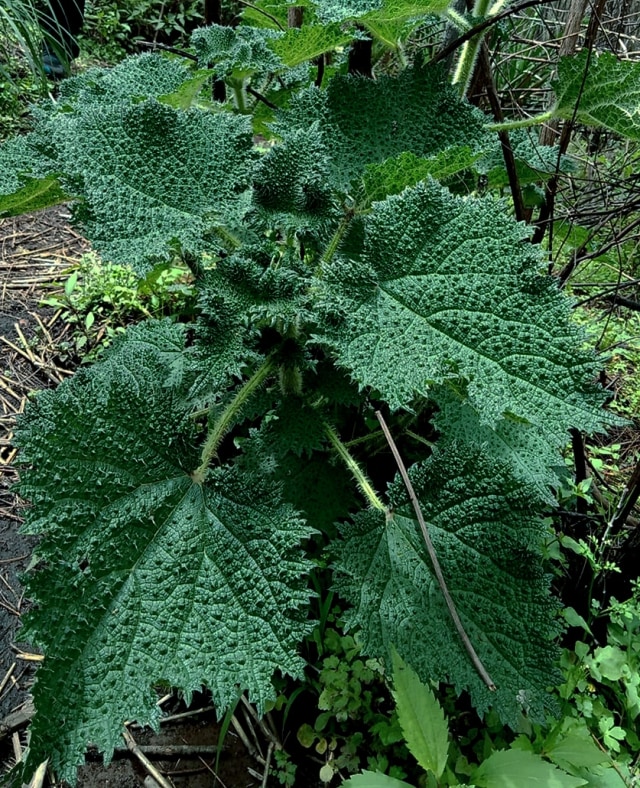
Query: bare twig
[[434, 558], [146, 763], [245, 740], [267, 765]]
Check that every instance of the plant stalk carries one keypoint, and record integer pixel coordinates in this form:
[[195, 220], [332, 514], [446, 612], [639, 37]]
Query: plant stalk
[[363, 483], [475, 659], [222, 425]]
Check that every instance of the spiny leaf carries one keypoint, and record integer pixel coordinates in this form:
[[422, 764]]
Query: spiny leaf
[[238, 51], [138, 77], [416, 112], [292, 181], [522, 769], [487, 536], [522, 446], [421, 718], [299, 45], [605, 91], [146, 577], [152, 176], [24, 160], [420, 307], [407, 169], [383, 10]]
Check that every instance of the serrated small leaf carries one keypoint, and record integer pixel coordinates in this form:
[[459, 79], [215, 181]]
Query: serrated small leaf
[[521, 769], [421, 718], [599, 90], [236, 51]]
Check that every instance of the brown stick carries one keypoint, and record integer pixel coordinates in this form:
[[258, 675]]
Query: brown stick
[[477, 663], [148, 766]]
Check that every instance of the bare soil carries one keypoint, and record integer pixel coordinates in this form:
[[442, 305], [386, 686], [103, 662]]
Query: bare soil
[[36, 253]]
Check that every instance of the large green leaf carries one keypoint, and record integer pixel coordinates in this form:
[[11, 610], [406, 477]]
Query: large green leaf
[[407, 169], [152, 176], [524, 447], [601, 91], [448, 290], [298, 45], [487, 535], [374, 780], [522, 769], [417, 112], [237, 51], [35, 195], [421, 718], [380, 10], [145, 576], [149, 75]]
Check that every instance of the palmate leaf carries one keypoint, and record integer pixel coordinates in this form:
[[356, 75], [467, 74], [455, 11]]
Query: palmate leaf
[[601, 91], [299, 45], [146, 577], [448, 290], [485, 531]]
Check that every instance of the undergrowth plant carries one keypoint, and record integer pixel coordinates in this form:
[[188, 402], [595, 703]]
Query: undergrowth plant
[[199, 489]]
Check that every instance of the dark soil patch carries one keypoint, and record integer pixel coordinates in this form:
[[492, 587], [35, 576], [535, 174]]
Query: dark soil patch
[[35, 252]]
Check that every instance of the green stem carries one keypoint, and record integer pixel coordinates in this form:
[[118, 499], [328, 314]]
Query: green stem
[[335, 241], [237, 85], [536, 120], [220, 428], [457, 20], [469, 52], [363, 483]]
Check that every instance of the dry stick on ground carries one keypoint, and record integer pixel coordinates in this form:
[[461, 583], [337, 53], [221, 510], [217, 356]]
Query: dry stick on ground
[[477, 663], [149, 767]]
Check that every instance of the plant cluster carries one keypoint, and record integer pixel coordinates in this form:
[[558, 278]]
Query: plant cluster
[[356, 288], [98, 300]]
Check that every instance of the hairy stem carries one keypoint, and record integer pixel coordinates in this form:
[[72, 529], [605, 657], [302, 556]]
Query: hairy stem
[[434, 558], [335, 240], [222, 425], [524, 123], [469, 53], [363, 483]]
